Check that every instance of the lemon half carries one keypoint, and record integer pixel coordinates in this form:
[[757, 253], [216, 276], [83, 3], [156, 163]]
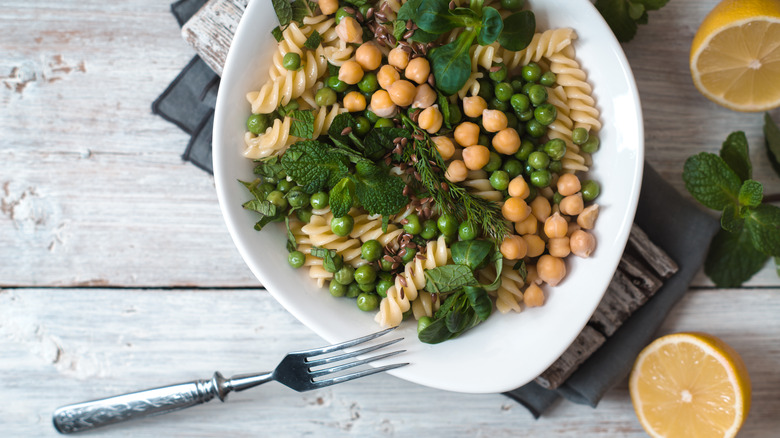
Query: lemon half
[[735, 55]]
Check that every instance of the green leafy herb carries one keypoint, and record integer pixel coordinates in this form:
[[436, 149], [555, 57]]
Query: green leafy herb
[[763, 225], [379, 141], [342, 197], [521, 269], [479, 301], [731, 259], [449, 278], [435, 333], [302, 123], [772, 142], [492, 27], [471, 253], [283, 10], [451, 63], [277, 34], [378, 191], [518, 30], [623, 16], [263, 207], [292, 245], [735, 153], [498, 262], [710, 180], [301, 9], [331, 261], [314, 165], [313, 41], [338, 125]]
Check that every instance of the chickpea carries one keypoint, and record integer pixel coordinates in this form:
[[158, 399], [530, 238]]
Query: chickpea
[[350, 72], [515, 210], [456, 171], [476, 156], [466, 134], [402, 92], [574, 226], [527, 226], [473, 106], [518, 187], [418, 70], [368, 56], [582, 243], [513, 247], [533, 296], [445, 146], [559, 247], [568, 184], [382, 105], [555, 226], [535, 245], [532, 277], [398, 58], [551, 269], [386, 76], [494, 120], [424, 97], [540, 207], [572, 205], [506, 141], [587, 218], [354, 101], [349, 31], [329, 6], [431, 120]]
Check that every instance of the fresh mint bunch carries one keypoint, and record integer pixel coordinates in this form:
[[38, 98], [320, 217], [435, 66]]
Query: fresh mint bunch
[[750, 231], [624, 16]]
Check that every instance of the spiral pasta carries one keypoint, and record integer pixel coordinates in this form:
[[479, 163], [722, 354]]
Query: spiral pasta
[[314, 264], [484, 56], [543, 44], [561, 128], [368, 227], [578, 91], [471, 86], [477, 182], [320, 234], [409, 286], [509, 294]]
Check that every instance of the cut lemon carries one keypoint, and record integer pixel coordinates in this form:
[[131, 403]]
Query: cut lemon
[[735, 55], [690, 385]]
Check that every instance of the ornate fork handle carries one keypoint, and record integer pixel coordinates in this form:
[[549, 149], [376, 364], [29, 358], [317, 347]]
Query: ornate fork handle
[[96, 413]]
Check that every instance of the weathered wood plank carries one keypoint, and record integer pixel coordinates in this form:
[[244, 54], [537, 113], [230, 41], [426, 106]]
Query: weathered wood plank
[[588, 341], [211, 30]]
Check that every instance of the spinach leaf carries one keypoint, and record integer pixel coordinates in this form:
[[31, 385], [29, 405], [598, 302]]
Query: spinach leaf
[[492, 26], [408, 10], [471, 253], [434, 16], [435, 333], [449, 278], [451, 63], [519, 29], [498, 262], [479, 301]]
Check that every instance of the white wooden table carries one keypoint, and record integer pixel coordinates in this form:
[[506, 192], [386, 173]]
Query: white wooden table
[[117, 272]]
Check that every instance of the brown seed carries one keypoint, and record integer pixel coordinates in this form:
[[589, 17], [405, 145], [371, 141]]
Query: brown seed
[[414, 158], [402, 280], [346, 130], [408, 34], [348, 10], [380, 16], [409, 24], [404, 221], [401, 293], [404, 141], [445, 187], [495, 68], [395, 266], [359, 17], [406, 190], [452, 5], [427, 211], [388, 259], [417, 176], [431, 80], [403, 252], [369, 13], [388, 160]]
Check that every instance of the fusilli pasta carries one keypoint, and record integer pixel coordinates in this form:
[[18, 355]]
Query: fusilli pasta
[[320, 234]]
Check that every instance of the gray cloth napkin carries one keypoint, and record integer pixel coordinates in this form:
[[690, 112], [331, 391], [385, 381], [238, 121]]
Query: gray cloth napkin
[[672, 222]]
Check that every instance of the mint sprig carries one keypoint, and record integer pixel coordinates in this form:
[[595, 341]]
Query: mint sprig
[[624, 16], [750, 231]]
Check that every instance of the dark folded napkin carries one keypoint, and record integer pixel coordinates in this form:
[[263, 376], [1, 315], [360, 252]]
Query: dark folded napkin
[[672, 222]]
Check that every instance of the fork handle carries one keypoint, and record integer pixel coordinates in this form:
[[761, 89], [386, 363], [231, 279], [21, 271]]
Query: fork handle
[[88, 415]]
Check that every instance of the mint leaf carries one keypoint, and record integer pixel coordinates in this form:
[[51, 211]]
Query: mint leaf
[[772, 142], [313, 41], [283, 10], [263, 207], [449, 278], [277, 34], [342, 197], [314, 165], [623, 16], [735, 153], [331, 260], [730, 220], [301, 9], [763, 225], [292, 245], [399, 29], [636, 10], [378, 191], [302, 123], [380, 140], [732, 259], [710, 180], [270, 167], [751, 193], [338, 125]]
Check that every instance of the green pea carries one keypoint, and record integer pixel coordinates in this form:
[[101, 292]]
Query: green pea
[[338, 263], [539, 160], [368, 287], [528, 169], [325, 96], [455, 115], [448, 224], [277, 198], [512, 5], [304, 214], [535, 129], [384, 123], [382, 286], [367, 302], [548, 79], [284, 186], [498, 104], [291, 61], [555, 148], [499, 180], [511, 120], [296, 259], [266, 188], [371, 116], [545, 114], [345, 275], [483, 140], [371, 250], [335, 84], [520, 103], [319, 200], [467, 231], [385, 265], [494, 163], [503, 91], [540, 178], [353, 290], [526, 147], [526, 116], [531, 72], [342, 226], [413, 225], [500, 74], [591, 146], [365, 274], [485, 89], [537, 94], [337, 289], [512, 167], [368, 84], [362, 125], [429, 230], [555, 166], [364, 9], [258, 123], [590, 190], [341, 13], [532, 192], [579, 135], [298, 198], [557, 197], [408, 255], [423, 323], [517, 85]]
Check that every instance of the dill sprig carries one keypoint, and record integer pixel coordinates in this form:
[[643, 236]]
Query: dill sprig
[[450, 197]]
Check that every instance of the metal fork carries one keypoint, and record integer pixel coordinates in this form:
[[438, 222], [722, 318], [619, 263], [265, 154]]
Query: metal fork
[[294, 371]]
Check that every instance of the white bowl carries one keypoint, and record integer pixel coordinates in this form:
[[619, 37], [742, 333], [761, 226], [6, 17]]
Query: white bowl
[[508, 350]]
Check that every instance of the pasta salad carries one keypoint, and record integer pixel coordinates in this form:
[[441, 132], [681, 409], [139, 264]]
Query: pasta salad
[[428, 157]]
